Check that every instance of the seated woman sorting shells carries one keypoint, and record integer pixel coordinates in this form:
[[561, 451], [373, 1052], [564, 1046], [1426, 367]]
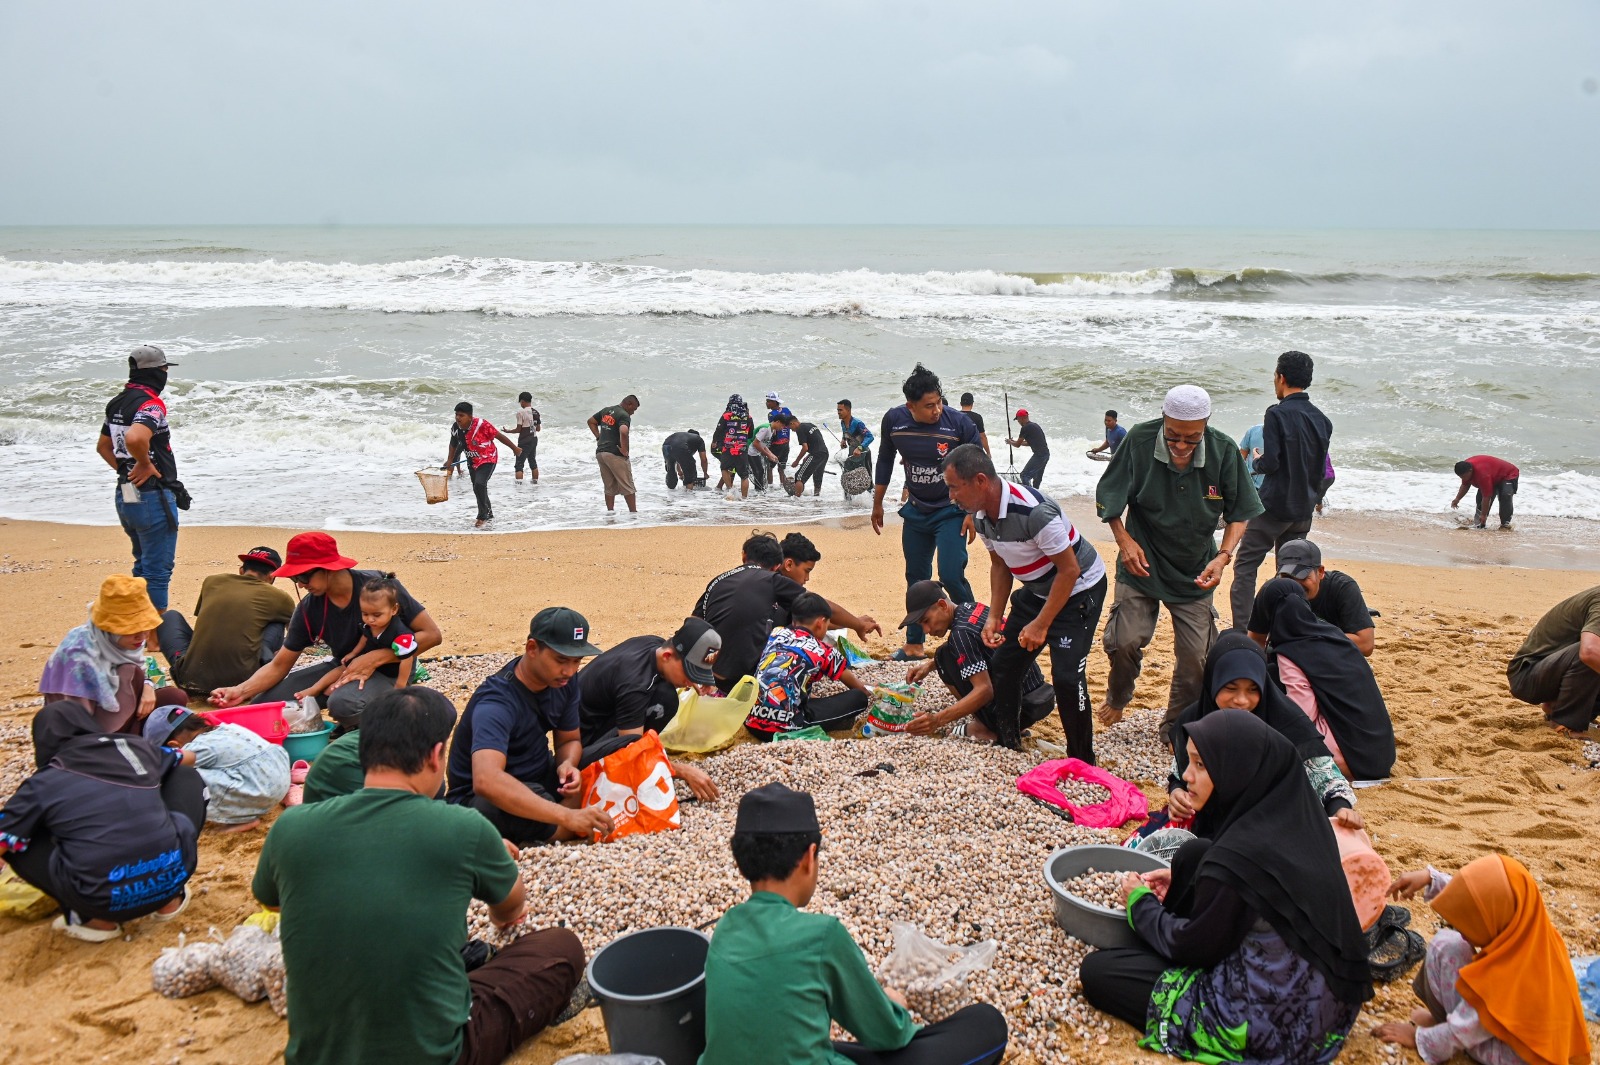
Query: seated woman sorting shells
[[1236, 679], [1327, 677], [100, 665], [1498, 983], [1251, 948]]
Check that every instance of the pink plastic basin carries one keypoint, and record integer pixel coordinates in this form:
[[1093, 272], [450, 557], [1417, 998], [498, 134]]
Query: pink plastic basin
[[264, 719]]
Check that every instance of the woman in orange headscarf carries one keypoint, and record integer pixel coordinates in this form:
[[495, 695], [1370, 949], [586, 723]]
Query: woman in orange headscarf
[[1498, 983]]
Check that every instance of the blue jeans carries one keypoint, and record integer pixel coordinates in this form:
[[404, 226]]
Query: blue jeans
[[152, 528], [1033, 469], [920, 536]]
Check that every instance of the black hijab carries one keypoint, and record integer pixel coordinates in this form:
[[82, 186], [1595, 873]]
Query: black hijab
[[65, 736], [1347, 692], [1271, 843], [1235, 656]]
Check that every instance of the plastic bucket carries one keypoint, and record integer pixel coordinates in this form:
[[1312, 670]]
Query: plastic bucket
[[264, 719], [652, 990], [305, 746], [1096, 925], [435, 485]]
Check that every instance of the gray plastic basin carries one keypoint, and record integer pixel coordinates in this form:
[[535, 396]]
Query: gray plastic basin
[[1096, 925], [652, 990]]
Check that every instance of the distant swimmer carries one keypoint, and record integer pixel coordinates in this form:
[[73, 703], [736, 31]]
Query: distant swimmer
[[1494, 479], [1114, 436], [527, 430], [610, 426], [678, 451], [1030, 434], [967, 400], [475, 438]]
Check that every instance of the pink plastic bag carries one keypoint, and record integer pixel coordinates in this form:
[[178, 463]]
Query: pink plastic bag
[[1127, 802]]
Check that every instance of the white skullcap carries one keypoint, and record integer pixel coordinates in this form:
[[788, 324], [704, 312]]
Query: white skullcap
[[1187, 403]]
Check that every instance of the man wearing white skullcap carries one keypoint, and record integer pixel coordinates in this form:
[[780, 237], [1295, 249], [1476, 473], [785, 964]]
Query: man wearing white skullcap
[[1162, 495]]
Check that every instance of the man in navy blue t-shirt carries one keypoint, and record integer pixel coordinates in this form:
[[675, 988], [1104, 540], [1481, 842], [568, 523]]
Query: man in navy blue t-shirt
[[501, 761], [922, 433]]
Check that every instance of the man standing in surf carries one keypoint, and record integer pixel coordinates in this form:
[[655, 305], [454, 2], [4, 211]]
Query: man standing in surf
[[1173, 477], [922, 432], [610, 426]]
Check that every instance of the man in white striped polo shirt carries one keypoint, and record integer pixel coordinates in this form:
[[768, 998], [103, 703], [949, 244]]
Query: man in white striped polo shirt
[[1063, 588]]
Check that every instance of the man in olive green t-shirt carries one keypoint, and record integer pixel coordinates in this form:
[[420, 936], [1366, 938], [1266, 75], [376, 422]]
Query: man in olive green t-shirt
[[238, 626], [1174, 478], [1558, 665], [373, 888]]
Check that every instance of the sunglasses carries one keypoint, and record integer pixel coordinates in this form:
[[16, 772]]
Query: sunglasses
[[1184, 442]]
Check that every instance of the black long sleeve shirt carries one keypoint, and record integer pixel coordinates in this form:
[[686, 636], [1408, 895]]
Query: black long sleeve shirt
[[1294, 457]]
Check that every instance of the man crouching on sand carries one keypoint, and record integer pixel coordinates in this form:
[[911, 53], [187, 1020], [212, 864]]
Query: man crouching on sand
[[516, 752], [372, 888]]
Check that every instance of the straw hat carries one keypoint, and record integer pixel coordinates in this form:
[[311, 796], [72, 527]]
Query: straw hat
[[123, 607]]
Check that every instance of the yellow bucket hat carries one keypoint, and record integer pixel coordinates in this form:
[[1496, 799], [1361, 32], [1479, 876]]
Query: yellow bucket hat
[[123, 607]]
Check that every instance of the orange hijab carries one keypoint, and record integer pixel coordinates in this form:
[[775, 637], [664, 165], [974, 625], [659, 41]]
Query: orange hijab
[[1521, 983]]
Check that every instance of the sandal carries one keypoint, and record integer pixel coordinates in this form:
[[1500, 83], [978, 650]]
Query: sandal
[[69, 924], [182, 905], [901, 656]]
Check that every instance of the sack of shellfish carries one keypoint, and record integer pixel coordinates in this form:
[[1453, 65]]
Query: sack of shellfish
[[933, 975], [186, 969], [248, 962], [893, 706]]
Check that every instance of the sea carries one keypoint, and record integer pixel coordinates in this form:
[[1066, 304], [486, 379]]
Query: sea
[[319, 365]]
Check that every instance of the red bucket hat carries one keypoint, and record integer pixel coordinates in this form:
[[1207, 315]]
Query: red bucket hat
[[313, 550]]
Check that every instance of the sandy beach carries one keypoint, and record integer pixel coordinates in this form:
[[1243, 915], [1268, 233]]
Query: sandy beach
[[1476, 770]]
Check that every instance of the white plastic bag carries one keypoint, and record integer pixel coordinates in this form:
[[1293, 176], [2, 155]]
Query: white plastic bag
[[186, 969], [932, 974], [248, 961], [304, 716]]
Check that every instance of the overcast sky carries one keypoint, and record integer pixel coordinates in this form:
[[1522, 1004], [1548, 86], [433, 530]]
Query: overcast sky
[[1456, 114]]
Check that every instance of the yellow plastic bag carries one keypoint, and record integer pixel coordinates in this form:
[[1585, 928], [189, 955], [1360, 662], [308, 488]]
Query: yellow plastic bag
[[703, 724], [18, 898]]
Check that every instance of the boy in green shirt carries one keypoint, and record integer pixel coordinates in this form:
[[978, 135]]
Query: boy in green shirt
[[776, 977]]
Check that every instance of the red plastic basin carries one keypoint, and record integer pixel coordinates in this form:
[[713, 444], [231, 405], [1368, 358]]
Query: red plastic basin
[[264, 719]]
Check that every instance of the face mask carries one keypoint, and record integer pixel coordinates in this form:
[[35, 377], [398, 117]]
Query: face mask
[[154, 379]]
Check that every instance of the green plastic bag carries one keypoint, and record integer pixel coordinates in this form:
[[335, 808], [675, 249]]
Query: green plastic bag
[[893, 706], [810, 732]]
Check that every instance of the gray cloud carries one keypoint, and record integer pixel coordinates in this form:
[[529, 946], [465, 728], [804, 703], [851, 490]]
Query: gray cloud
[[1426, 114]]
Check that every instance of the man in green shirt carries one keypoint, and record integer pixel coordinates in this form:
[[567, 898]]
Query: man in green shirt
[[374, 887], [612, 449], [336, 770], [1174, 477], [1558, 665], [776, 976]]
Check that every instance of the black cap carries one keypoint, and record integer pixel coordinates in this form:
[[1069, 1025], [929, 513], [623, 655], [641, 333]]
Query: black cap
[[563, 630], [1298, 559], [266, 556], [920, 597], [772, 809], [697, 643]]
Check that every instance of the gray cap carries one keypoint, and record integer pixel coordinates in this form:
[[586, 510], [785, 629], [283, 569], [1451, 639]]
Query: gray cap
[[697, 643], [148, 357], [1298, 559]]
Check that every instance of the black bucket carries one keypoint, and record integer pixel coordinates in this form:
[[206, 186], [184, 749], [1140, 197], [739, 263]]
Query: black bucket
[[652, 991]]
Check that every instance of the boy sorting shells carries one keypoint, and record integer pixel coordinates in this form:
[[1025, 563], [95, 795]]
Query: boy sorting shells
[[776, 977], [963, 665]]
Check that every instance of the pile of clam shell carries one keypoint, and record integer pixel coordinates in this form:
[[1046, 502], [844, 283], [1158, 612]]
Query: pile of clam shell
[[914, 829], [1100, 888]]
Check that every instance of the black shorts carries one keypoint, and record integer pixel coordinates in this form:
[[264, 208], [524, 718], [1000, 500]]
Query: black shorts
[[739, 463]]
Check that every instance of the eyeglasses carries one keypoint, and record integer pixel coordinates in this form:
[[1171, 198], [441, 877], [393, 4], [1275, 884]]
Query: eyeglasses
[[1183, 442]]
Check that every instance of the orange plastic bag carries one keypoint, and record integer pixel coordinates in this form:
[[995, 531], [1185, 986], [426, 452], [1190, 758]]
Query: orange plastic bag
[[634, 785]]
